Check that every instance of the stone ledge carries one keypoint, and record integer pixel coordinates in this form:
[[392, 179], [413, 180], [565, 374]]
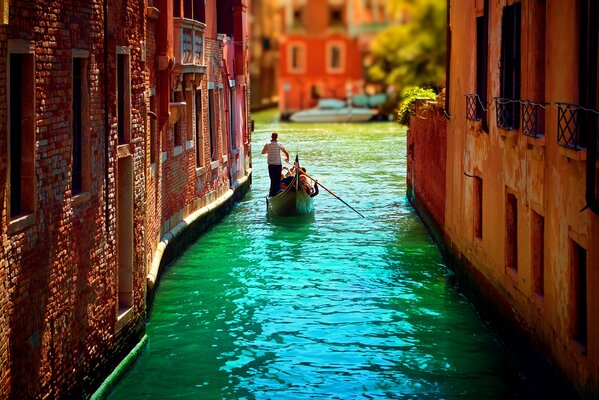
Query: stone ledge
[[21, 223], [573, 154], [175, 234]]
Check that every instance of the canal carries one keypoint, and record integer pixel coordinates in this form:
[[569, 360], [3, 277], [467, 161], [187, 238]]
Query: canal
[[328, 307]]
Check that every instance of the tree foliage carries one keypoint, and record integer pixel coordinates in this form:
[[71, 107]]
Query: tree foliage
[[411, 95], [412, 54]]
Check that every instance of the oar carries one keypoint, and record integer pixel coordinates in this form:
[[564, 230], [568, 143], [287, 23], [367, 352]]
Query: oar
[[337, 197]]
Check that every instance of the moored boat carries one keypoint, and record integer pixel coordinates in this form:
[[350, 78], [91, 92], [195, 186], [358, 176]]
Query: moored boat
[[333, 110]]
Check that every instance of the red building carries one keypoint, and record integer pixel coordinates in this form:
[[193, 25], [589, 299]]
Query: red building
[[121, 122], [323, 49]]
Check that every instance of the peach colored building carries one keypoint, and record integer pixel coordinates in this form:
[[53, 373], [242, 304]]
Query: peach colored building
[[521, 209], [323, 48]]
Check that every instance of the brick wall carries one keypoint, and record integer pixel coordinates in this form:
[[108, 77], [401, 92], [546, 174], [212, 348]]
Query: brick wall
[[427, 154], [59, 287], [60, 335]]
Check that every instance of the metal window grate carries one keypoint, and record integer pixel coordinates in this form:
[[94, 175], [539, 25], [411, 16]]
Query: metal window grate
[[567, 126], [472, 109], [506, 112], [533, 117]]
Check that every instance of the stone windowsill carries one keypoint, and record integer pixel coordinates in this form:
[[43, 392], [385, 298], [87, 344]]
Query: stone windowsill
[[123, 150], [475, 125], [177, 150], [189, 144], [163, 157], [123, 318], [214, 165], [573, 154], [80, 198], [153, 168], [200, 171], [225, 158], [152, 12], [508, 133], [20, 223], [535, 141]]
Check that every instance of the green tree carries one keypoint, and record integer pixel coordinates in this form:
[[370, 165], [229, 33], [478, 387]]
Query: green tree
[[413, 53]]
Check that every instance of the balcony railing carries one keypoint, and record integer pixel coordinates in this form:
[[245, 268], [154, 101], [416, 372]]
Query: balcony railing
[[576, 125], [568, 134], [507, 113], [189, 45], [533, 118], [473, 107]]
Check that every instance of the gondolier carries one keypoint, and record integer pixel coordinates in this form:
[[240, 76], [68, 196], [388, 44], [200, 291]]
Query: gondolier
[[274, 149]]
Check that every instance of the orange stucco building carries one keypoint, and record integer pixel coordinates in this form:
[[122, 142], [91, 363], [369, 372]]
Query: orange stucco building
[[323, 47], [521, 208]]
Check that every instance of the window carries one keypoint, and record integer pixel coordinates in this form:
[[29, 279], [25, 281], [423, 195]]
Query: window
[[588, 90], [510, 66], [187, 9], [152, 121], [297, 18], [190, 114], [177, 129], [224, 17], [177, 8], [482, 54], [123, 96], [212, 126], [578, 256], [538, 254], [233, 138], [478, 207], [199, 10], [21, 120], [335, 58], [80, 157], [511, 231], [296, 58], [223, 116], [199, 134], [335, 16]]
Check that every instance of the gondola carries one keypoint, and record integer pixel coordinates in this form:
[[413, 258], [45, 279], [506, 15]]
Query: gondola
[[294, 200]]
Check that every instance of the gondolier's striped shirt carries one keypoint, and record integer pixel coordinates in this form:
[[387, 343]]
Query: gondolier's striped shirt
[[274, 149]]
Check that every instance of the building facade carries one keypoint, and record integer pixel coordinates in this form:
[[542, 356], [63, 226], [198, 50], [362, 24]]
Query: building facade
[[264, 59], [323, 48], [121, 121], [521, 202]]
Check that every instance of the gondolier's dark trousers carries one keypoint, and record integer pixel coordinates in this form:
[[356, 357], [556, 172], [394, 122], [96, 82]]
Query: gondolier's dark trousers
[[274, 171]]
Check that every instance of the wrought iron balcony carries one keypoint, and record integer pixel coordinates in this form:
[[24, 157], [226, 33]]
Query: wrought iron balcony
[[533, 118], [576, 125], [189, 45], [507, 113], [473, 107], [568, 134]]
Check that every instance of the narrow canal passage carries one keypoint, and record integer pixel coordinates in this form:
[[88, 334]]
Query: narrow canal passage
[[329, 307]]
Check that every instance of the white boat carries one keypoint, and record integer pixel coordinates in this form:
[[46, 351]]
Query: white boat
[[333, 110]]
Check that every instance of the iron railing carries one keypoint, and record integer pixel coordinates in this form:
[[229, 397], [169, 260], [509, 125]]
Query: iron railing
[[507, 113], [473, 111], [533, 118], [568, 134]]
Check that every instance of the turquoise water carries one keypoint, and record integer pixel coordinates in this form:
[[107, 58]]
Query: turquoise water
[[332, 306]]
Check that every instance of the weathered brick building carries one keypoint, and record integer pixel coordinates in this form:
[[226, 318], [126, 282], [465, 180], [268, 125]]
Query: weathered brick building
[[120, 123], [521, 209]]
